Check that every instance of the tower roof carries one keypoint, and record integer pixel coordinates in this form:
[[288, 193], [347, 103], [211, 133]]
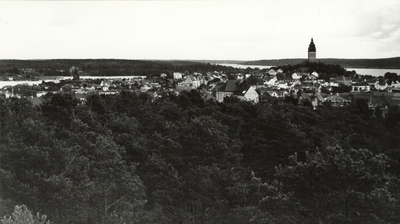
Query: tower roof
[[311, 47]]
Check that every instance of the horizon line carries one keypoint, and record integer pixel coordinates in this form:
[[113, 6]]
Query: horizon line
[[244, 60]]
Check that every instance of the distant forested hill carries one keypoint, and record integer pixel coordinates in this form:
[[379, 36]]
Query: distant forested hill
[[119, 67], [393, 63], [111, 67]]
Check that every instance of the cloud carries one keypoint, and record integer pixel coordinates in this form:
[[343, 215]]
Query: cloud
[[198, 29], [382, 18], [390, 44], [378, 27]]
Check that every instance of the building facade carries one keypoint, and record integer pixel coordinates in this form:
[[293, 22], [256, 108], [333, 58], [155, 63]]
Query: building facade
[[241, 90]]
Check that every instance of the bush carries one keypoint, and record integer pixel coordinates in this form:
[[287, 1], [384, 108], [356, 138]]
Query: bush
[[22, 215]]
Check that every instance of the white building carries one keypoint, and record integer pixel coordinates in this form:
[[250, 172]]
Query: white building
[[177, 75]]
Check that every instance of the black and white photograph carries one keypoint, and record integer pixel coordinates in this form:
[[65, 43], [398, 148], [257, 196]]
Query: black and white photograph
[[200, 112]]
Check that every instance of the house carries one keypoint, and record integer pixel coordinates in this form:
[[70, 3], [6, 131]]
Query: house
[[105, 88], [333, 84], [342, 80], [190, 80], [144, 88], [272, 72], [239, 76], [40, 93], [177, 75], [152, 94], [314, 75], [36, 101], [337, 101], [307, 84], [273, 92], [296, 76], [308, 97], [90, 87], [227, 89], [199, 77], [381, 85], [362, 87], [295, 89], [8, 94], [104, 84], [214, 82], [242, 90], [110, 92], [379, 104], [314, 98], [283, 85], [247, 93], [207, 95], [395, 84], [180, 88], [258, 74], [271, 82]]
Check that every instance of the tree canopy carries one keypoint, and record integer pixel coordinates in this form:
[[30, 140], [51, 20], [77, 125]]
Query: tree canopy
[[129, 158]]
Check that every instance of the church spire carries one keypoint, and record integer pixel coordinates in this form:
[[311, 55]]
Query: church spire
[[311, 47], [312, 51]]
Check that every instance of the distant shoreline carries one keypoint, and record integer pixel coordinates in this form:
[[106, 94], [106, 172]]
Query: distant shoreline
[[379, 63], [382, 63]]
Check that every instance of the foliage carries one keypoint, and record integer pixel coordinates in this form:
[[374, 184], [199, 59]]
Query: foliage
[[391, 76], [22, 215], [324, 70], [337, 185], [180, 159]]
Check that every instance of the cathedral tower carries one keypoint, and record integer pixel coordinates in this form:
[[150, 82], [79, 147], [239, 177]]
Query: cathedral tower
[[312, 52]]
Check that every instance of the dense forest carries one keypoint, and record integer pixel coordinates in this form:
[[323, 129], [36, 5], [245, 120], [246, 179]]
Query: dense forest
[[180, 159], [325, 71], [110, 67]]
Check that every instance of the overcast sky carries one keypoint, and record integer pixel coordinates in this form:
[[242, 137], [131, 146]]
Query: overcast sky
[[235, 30]]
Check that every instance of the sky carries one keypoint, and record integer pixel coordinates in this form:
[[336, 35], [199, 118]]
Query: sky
[[196, 30]]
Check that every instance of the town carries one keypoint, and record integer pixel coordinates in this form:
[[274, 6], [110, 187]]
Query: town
[[309, 83], [306, 86]]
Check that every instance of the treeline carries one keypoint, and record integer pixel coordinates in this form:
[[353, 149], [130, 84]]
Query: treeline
[[180, 159], [325, 71], [110, 67], [388, 63]]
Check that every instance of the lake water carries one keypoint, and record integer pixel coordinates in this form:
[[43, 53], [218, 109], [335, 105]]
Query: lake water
[[247, 66], [361, 71], [53, 78], [58, 78], [373, 71]]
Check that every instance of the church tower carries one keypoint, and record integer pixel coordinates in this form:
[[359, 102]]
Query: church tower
[[312, 52]]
